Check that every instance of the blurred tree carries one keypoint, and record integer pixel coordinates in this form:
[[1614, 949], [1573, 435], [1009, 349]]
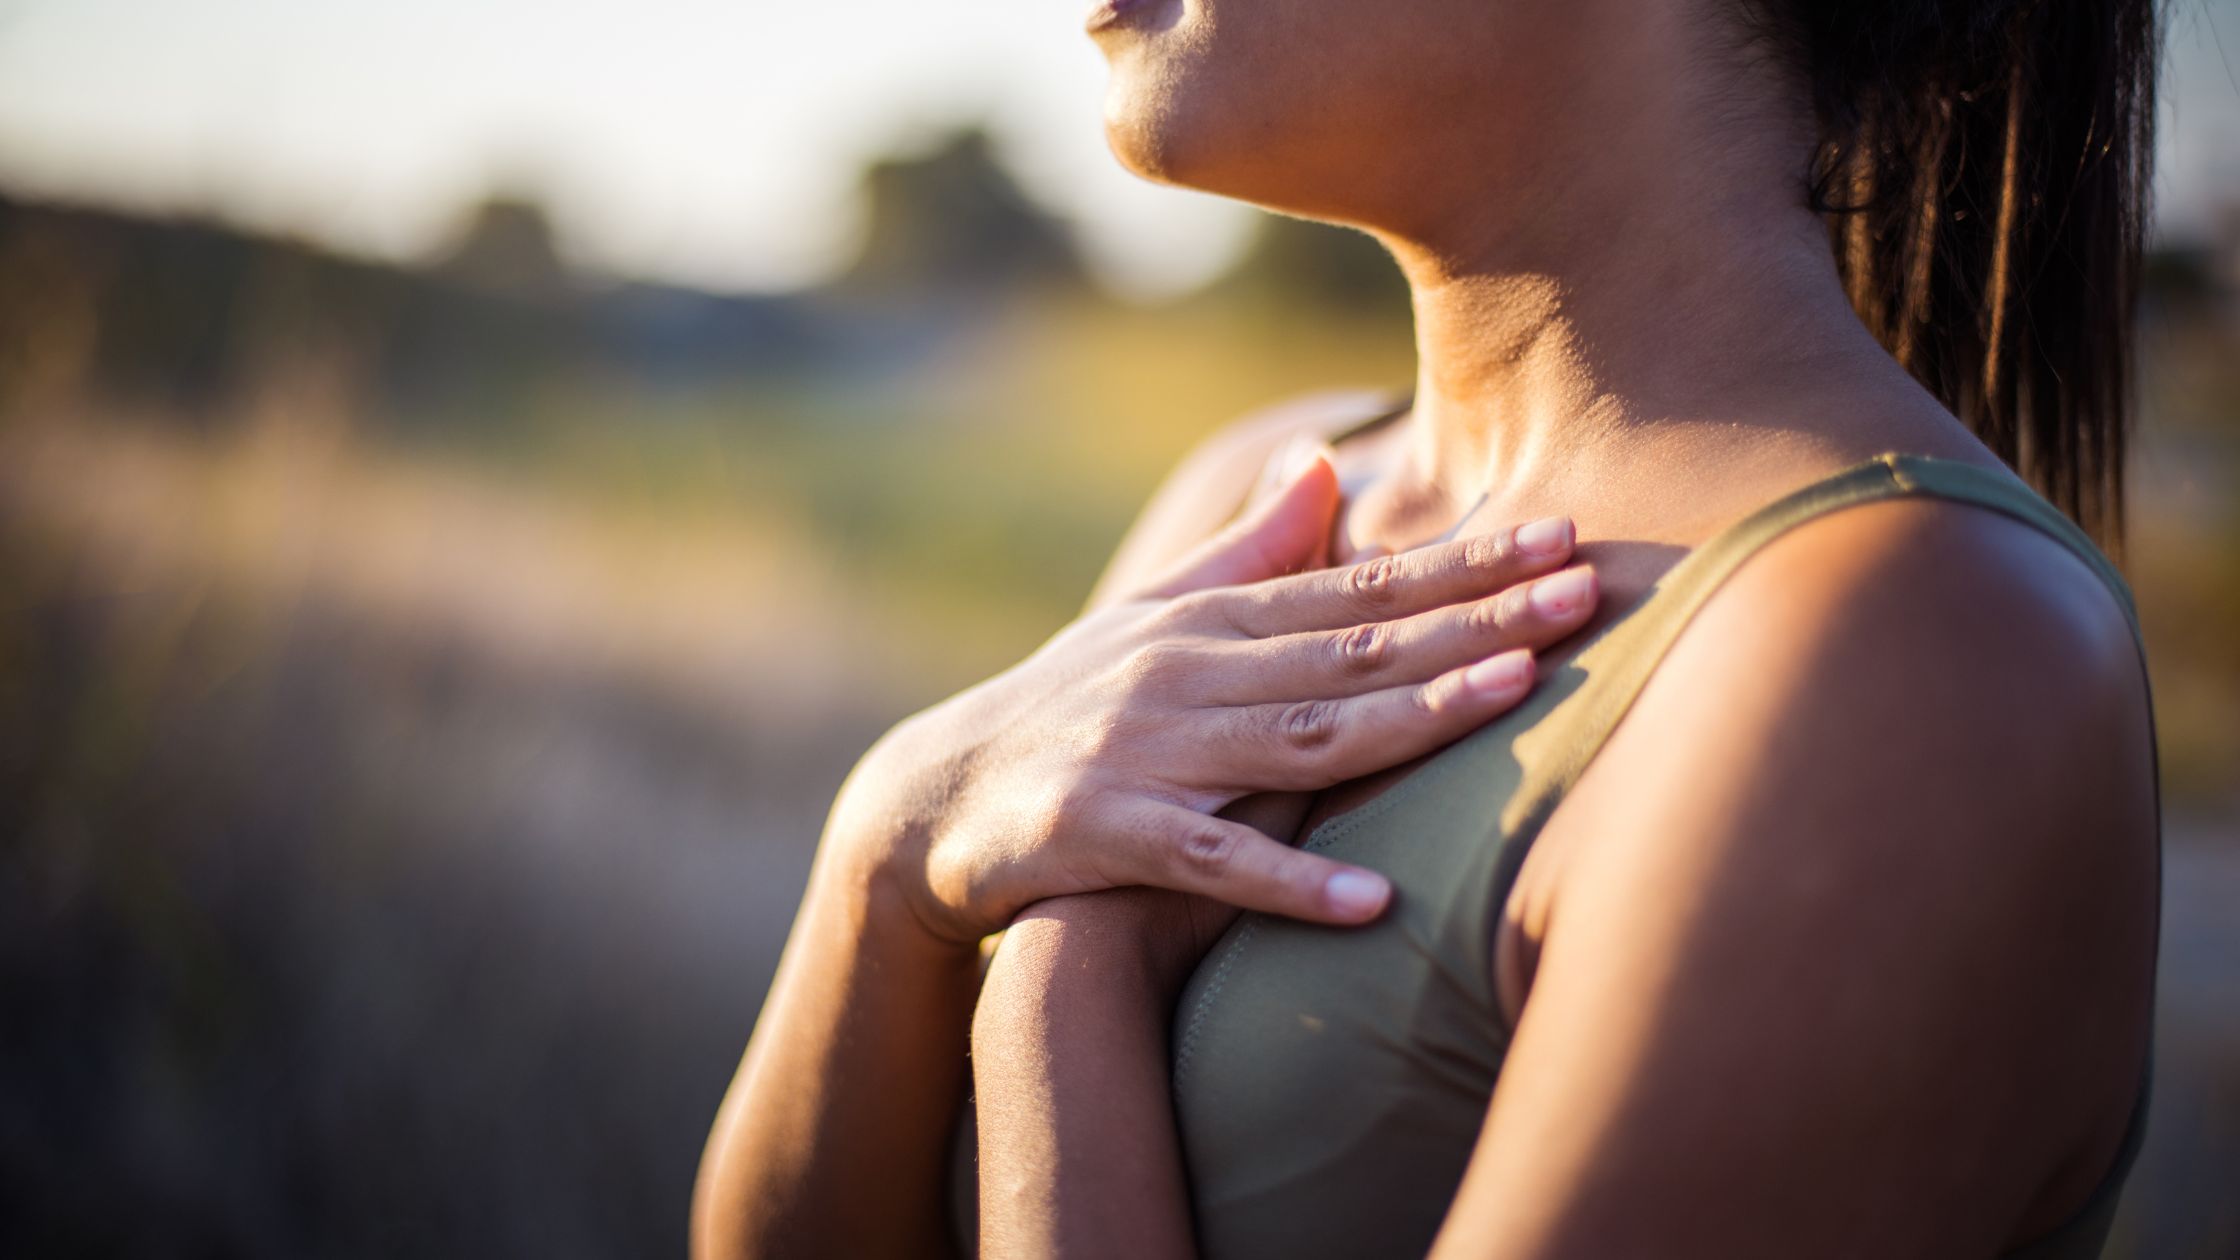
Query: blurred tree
[[2179, 275], [507, 246], [954, 220], [2227, 247], [1298, 263], [49, 292]]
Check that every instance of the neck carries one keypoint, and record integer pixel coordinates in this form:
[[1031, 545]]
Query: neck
[[1556, 358], [1650, 284]]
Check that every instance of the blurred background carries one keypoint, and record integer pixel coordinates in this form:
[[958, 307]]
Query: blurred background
[[473, 478]]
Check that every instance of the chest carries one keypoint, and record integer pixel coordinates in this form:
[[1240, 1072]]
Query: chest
[[1627, 572], [1330, 1084]]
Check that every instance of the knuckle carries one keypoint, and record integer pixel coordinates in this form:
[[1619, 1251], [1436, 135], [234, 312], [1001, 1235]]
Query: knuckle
[[1210, 612], [1362, 649], [1374, 584], [1309, 726], [1187, 609], [1206, 849], [1485, 552], [1069, 806], [1516, 606], [1489, 617], [1155, 664], [1432, 698]]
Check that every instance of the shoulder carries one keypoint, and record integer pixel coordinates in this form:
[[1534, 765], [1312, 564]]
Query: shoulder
[[1917, 605], [1947, 701], [1212, 480], [1948, 642], [1942, 638], [1941, 700], [1871, 861]]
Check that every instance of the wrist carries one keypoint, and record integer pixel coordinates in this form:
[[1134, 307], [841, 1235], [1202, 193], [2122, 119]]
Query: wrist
[[862, 883], [1076, 954], [876, 840]]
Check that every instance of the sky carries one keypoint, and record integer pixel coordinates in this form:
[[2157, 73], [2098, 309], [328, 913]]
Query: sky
[[709, 143]]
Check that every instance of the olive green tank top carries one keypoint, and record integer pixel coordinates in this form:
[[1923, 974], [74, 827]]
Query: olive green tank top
[[1330, 1084]]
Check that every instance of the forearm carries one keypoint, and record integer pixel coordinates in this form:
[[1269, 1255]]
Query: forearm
[[833, 1139], [1078, 1150]]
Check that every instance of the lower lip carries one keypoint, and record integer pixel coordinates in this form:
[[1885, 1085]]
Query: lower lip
[[1111, 13]]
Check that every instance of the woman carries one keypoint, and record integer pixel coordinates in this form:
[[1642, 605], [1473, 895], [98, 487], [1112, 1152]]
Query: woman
[[1841, 942]]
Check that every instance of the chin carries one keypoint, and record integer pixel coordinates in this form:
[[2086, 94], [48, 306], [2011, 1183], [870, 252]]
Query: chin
[[1200, 103], [1167, 121], [1156, 120], [1351, 111], [1263, 113], [1150, 140]]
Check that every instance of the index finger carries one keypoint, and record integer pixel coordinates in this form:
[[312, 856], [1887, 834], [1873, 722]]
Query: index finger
[[1396, 585]]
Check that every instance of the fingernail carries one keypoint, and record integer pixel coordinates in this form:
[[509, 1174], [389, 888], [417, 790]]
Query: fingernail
[[1543, 538], [1497, 675], [1357, 894], [1299, 456], [1566, 592]]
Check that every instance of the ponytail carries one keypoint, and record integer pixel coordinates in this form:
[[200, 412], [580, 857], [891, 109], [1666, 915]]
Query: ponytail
[[1984, 168]]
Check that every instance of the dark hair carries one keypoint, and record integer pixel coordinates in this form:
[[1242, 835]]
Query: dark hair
[[1984, 169]]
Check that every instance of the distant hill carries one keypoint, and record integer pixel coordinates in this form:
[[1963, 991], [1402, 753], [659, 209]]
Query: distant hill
[[190, 314], [186, 313]]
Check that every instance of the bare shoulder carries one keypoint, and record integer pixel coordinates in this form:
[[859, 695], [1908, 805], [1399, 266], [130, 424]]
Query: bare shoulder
[[1949, 644], [1868, 869], [1958, 684], [1921, 607], [1948, 705], [1976, 635], [1209, 482]]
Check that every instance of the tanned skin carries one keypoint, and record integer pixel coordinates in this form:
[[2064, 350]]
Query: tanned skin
[[1844, 943], [1127, 753]]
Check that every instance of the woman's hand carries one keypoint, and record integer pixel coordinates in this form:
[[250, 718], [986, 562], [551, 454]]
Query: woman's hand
[[1100, 761]]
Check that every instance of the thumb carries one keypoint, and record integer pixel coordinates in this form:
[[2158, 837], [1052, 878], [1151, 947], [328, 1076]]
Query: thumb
[[1284, 533]]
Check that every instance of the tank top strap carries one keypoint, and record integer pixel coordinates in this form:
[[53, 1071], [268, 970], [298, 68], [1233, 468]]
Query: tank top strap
[[1619, 663]]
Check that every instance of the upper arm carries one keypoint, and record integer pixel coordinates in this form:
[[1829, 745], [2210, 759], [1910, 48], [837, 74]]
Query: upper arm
[[1850, 950], [1208, 485]]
